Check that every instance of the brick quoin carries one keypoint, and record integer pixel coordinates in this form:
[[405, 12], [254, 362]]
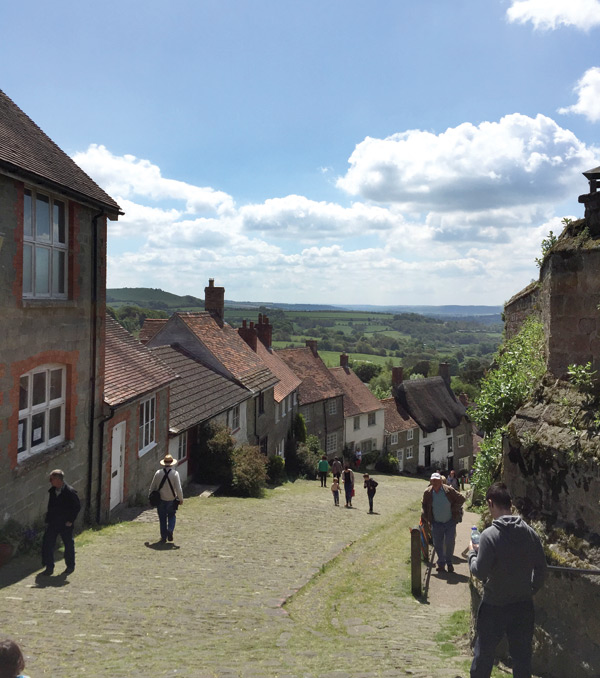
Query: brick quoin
[[17, 369], [18, 232]]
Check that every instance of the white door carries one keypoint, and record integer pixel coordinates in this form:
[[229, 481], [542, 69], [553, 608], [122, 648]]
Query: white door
[[116, 467], [400, 457]]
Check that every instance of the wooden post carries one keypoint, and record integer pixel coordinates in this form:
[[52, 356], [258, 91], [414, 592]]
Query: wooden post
[[415, 561]]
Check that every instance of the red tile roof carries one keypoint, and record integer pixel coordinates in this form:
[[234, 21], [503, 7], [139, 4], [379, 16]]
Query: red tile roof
[[150, 328], [26, 150], [130, 369], [396, 418], [288, 381], [230, 350], [317, 381], [200, 393], [358, 399]]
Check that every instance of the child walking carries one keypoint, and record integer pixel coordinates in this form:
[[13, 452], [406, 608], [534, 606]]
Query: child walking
[[335, 489], [371, 487]]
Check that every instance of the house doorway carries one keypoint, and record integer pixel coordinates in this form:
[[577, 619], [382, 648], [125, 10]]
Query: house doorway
[[116, 466], [427, 456]]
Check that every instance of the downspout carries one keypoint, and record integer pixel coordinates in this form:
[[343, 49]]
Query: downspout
[[93, 360], [100, 460]]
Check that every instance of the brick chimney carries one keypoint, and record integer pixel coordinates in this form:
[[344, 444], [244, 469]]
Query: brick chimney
[[264, 330], [248, 334], [397, 376], [312, 344], [214, 301], [344, 360], [444, 373], [591, 201], [464, 399]]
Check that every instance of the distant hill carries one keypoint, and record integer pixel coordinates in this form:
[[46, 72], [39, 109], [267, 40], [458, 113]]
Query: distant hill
[[148, 297]]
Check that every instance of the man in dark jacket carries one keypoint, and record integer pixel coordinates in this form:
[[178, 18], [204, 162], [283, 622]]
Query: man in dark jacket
[[510, 561], [63, 508], [442, 511]]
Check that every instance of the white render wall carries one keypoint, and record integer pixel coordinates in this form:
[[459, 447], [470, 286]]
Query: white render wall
[[365, 432]]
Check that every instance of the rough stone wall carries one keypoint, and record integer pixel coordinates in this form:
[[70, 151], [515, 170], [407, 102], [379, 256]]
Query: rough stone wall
[[320, 423], [37, 332], [519, 308]]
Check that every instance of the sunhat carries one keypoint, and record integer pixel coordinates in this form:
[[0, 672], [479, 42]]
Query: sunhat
[[168, 461]]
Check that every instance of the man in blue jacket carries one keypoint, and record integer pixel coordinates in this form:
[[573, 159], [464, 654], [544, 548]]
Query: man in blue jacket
[[510, 561], [63, 509]]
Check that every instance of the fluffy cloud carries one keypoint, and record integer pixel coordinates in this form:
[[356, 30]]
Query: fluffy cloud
[[127, 176], [298, 217], [517, 161], [588, 93], [550, 14]]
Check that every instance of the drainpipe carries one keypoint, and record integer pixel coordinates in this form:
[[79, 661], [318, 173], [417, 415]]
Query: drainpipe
[[93, 360], [100, 460]]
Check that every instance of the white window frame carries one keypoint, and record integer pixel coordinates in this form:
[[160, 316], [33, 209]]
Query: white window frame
[[234, 417], [182, 446], [280, 451], [36, 245], [332, 406], [460, 441], [400, 454], [356, 423], [450, 445], [306, 414], [410, 434], [147, 425], [394, 438], [331, 443], [409, 453], [423, 434], [31, 412], [372, 419]]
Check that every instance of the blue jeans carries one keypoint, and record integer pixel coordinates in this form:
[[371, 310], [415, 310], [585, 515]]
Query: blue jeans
[[444, 536], [166, 517], [53, 530], [493, 621]]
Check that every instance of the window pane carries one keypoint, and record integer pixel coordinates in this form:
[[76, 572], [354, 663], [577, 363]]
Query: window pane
[[39, 388], [38, 435], [22, 435], [42, 270], [42, 218], [58, 271], [56, 384], [54, 423], [58, 222], [27, 216], [24, 393], [27, 269]]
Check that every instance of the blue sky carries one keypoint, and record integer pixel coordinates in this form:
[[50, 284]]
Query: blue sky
[[337, 151]]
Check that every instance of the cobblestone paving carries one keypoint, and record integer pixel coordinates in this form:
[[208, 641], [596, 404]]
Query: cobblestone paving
[[212, 604]]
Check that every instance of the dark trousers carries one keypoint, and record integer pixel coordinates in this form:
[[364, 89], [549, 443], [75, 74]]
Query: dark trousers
[[49, 544], [348, 493], [493, 622], [370, 495], [323, 476], [167, 517]]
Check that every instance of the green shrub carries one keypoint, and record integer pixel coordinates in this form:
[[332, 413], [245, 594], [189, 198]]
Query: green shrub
[[276, 470], [308, 460], [387, 463], [370, 458], [299, 428], [213, 455], [249, 471], [487, 464]]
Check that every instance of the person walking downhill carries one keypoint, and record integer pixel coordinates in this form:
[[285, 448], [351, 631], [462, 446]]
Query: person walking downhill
[[167, 481], [348, 480], [442, 511], [335, 490], [510, 560], [63, 509], [336, 468], [323, 469], [371, 487]]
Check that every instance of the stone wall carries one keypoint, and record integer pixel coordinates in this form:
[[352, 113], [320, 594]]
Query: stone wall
[[519, 308]]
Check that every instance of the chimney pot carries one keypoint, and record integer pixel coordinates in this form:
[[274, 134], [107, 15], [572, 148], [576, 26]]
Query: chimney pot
[[343, 360]]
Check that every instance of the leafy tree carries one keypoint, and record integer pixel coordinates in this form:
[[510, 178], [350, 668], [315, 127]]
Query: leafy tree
[[366, 371], [249, 471]]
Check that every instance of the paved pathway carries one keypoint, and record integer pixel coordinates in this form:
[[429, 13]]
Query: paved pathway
[[238, 596]]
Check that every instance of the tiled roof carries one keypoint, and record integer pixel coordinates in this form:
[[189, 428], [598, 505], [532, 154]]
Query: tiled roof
[[131, 370], [317, 381], [396, 419], [230, 350], [288, 381], [25, 149], [430, 402], [358, 399], [200, 393], [150, 328]]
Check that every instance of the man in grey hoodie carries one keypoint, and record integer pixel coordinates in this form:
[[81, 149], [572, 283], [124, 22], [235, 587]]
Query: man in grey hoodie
[[510, 561]]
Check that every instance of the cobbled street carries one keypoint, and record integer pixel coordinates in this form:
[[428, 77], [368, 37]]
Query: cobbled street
[[285, 586]]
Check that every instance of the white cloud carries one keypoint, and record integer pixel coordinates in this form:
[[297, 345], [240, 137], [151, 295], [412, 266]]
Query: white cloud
[[588, 92], [297, 217], [128, 176], [550, 14], [517, 161]]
